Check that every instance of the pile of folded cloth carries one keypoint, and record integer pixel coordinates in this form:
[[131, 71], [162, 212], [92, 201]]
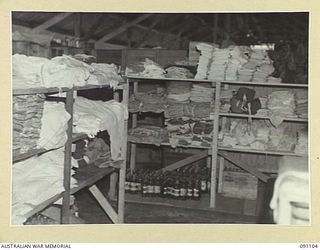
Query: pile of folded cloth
[[151, 101], [225, 99], [281, 104], [220, 58], [147, 68], [301, 97], [148, 134], [85, 58], [27, 114], [191, 110], [91, 117], [186, 131], [302, 143], [179, 92], [35, 180], [104, 74], [206, 51], [202, 92], [273, 79], [259, 135], [178, 72], [262, 73]]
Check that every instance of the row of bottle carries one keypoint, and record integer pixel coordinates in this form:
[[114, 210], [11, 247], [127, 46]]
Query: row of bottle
[[186, 183]]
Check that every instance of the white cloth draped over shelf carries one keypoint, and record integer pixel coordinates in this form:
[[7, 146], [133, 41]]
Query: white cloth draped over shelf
[[90, 117], [34, 181]]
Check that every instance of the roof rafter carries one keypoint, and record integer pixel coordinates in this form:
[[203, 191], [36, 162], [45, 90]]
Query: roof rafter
[[52, 21]]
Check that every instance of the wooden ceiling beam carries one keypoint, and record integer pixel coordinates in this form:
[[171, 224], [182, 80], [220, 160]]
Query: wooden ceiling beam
[[52, 21], [123, 28], [96, 24], [145, 36]]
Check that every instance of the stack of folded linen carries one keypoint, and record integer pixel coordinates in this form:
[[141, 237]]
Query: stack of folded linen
[[106, 74], [148, 134], [302, 142], [27, 114], [147, 68], [220, 58], [151, 101], [178, 72], [263, 72], [282, 102], [179, 92], [245, 73], [301, 103], [272, 79], [237, 59], [206, 51], [202, 92]]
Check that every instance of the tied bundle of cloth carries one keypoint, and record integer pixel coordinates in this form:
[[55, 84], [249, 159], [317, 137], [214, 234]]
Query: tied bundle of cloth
[[191, 110], [244, 102], [281, 104], [147, 68], [219, 60], [178, 72], [27, 114], [90, 117], [206, 51], [202, 92], [301, 97], [35, 180], [179, 92]]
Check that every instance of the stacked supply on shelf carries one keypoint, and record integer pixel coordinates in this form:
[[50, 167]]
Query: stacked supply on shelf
[[219, 60], [301, 97], [281, 104], [60, 71], [206, 51], [148, 68], [179, 92], [302, 143], [237, 58], [188, 182], [34, 181], [178, 72], [26, 121], [202, 92], [151, 101], [148, 134], [258, 135], [90, 117]]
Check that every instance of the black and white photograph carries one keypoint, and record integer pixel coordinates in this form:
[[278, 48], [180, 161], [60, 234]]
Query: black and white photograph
[[160, 118]]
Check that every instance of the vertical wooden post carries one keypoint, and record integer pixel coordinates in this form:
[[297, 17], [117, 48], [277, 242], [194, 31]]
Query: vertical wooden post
[[133, 147], [122, 172], [65, 212], [214, 153]]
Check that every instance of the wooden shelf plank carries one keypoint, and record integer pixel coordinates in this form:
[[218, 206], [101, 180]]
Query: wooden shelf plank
[[296, 119], [167, 79], [254, 151]]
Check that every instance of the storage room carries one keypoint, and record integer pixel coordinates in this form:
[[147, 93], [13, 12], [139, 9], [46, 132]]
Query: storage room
[[145, 118]]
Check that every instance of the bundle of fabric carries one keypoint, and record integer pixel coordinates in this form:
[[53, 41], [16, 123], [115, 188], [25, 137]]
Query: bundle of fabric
[[151, 101], [237, 59], [65, 71], [27, 71], [282, 138], [27, 114], [36, 180], [191, 110], [178, 72], [54, 124], [272, 79], [281, 105], [302, 142], [179, 131], [220, 58], [147, 68], [105, 74], [301, 97], [90, 117], [263, 72], [179, 92], [245, 74], [206, 51], [202, 92], [85, 58], [148, 134]]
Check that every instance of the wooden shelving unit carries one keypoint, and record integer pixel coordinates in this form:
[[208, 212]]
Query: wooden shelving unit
[[216, 149], [87, 179]]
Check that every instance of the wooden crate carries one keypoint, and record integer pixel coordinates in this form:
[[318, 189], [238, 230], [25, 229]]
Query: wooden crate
[[239, 185]]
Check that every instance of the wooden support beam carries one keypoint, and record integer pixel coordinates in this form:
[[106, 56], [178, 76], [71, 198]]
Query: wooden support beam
[[186, 161], [77, 25], [123, 28], [107, 208], [149, 29], [243, 165], [52, 21], [93, 28]]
